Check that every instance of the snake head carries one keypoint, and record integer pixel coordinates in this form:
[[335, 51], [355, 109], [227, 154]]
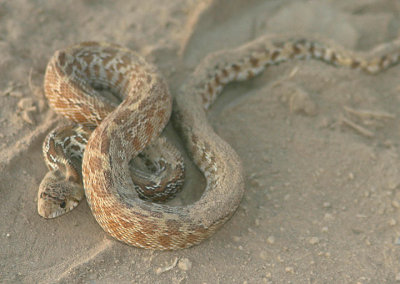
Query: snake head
[[58, 195]]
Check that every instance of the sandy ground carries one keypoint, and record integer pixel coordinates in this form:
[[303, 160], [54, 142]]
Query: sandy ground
[[322, 201]]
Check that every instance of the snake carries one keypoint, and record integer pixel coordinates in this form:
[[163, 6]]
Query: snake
[[93, 158]]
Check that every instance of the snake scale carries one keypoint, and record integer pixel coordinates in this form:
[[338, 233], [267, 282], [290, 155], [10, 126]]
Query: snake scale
[[124, 131]]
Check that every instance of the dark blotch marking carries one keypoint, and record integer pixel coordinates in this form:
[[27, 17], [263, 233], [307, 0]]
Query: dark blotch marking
[[210, 89], [148, 79], [148, 228], [173, 227], [296, 50], [355, 64], [149, 129], [217, 81], [80, 140], [236, 67], [76, 148], [333, 58], [136, 143], [275, 54], [165, 241], [161, 114], [89, 43], [108, 179], [105, 144], [250, 74], [383, 61], [140, 238], [312, 49], [61, 58], [254, 62], [192, 239], [94, 162]]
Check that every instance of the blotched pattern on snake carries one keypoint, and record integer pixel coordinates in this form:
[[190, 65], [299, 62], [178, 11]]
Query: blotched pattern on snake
[[73, 80]]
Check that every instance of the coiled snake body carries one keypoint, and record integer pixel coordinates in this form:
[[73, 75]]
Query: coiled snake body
[[124, 131]]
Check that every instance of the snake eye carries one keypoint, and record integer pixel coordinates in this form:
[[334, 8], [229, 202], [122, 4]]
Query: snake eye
[[62, 205]]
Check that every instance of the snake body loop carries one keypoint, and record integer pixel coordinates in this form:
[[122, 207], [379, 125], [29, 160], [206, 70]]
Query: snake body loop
[[123, 131]]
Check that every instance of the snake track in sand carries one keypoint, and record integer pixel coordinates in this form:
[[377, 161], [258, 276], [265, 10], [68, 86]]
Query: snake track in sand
[[123, 133]]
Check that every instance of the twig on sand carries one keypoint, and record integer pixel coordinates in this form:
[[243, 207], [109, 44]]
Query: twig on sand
[[368, 114], [363, 131]]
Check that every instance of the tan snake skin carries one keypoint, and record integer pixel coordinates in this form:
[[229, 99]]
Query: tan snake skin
[[139, 119], [61, 189]]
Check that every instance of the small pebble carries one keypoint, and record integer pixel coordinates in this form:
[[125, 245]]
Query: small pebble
[[185, 264], [314, 240], [263, 255], [395, 204], [324, 229], [236, 238], [300, 102], [25, 103], [392, 185], [159, 270], [327, 205], [28, 117], [289, 269], [271, 240], [398, 277], [392, 222]]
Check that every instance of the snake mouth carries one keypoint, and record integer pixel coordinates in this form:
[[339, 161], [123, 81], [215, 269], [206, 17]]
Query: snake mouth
[[51, 214], [56, 214]]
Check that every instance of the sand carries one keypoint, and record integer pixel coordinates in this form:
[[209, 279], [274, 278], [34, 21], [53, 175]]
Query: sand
[[319, 145]]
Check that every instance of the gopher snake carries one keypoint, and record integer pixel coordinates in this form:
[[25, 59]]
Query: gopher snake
[[71, 80]]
